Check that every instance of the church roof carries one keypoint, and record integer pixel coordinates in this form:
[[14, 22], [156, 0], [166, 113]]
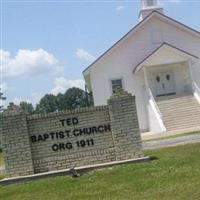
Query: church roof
[[152, 14], [162, 46]]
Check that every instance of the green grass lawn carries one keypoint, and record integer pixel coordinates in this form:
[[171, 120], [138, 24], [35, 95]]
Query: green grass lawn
[[1, 163], [175, 175], [1, 159]]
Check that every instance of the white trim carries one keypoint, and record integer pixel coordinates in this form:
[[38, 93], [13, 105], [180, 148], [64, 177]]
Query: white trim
[[145, 78], [135, 28], [190, 69], [163, 46], [156, 124], [161, 127], [179, 24], [197, 96], [195, 87]]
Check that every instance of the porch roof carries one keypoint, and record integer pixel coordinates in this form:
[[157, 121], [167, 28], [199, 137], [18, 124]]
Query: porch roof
[[165, 54]]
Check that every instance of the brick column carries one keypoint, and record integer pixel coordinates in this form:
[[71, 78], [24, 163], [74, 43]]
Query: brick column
[[15, 143], [125, 128]]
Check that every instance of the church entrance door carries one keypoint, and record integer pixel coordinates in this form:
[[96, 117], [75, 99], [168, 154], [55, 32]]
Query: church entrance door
[[164, 83]]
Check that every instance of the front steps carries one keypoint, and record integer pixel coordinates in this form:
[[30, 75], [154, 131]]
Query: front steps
[[179, 112]]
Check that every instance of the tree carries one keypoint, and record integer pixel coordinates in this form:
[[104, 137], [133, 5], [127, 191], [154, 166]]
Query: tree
[[61, 102], [47, 104], [28, 107], [75, 98]]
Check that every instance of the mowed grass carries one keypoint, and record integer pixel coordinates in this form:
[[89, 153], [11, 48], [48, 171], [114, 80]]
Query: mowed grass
[[174, 175], [1, 164], [1, 159]]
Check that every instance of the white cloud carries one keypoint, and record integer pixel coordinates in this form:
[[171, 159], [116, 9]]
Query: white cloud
[[62, 84], [4, 87], [17, 100], [120, 8], [28, 62], [84, 55], [34, 99], [4, 104]]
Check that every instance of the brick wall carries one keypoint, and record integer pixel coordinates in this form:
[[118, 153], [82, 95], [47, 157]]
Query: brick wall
[[71, 144], [86, 136], [16, 145]]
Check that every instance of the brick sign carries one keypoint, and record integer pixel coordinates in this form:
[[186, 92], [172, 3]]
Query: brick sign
[[70, 133], [86, 136]]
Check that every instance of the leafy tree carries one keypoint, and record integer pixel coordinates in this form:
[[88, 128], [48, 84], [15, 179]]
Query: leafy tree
[[47, 104], [28, 107], [61, 102], [75, 98]]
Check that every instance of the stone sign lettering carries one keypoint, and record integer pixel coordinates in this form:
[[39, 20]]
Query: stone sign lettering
[[75, 132], [86, 136]]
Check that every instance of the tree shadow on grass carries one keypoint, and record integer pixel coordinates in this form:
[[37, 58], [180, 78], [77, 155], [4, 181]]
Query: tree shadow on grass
[[152, 158]]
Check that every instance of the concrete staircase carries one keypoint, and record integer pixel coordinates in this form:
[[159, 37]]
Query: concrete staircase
[[179, 112]]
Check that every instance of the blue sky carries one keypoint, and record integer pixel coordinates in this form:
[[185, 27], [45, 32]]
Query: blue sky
[[45, 45]]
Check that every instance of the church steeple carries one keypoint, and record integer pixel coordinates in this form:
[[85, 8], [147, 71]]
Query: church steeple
[[147, 6]]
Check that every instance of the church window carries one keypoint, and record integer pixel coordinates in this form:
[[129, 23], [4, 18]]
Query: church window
[[116, 84]]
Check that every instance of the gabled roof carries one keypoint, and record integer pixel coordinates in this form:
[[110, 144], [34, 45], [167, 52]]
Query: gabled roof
[[162, 46], [153, 13]]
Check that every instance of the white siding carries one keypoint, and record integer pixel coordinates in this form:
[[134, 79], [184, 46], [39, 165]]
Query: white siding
[[120, 62]]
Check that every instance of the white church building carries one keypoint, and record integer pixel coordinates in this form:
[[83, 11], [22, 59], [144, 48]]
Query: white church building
[[159, 62]]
